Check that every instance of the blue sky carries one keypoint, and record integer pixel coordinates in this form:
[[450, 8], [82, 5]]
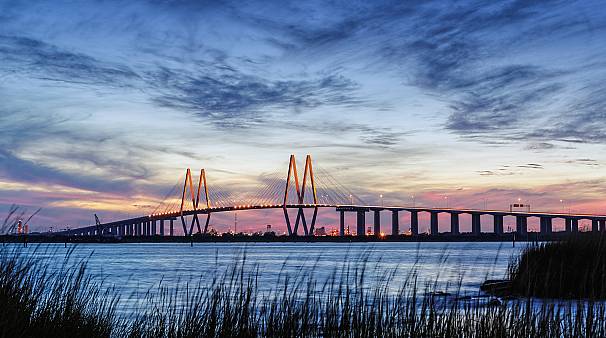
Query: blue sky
[[103, 104]]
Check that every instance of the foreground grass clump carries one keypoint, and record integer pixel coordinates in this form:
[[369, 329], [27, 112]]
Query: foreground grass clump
[[36, 302], [574, 268]]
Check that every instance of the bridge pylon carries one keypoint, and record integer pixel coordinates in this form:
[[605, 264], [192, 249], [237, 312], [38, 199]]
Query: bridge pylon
[[195, 202], [308, 173]]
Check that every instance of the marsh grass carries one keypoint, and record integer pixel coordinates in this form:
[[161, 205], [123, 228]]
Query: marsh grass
[[574, 268], [66, 302]]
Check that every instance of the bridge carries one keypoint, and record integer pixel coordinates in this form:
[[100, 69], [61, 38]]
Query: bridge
[[310, 193]]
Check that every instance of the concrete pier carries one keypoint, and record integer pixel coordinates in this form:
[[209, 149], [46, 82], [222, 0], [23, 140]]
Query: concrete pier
[[377, 223], [546, 225], [361, 223], [414, 223], [454, 223], [476, 225], [341, 223], [498, 224], [395, 223], [521, 225], [433, 224]]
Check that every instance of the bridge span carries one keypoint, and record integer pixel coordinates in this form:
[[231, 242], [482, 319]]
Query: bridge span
[[293, 197]]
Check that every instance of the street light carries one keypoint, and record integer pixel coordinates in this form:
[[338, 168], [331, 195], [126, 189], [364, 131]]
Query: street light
[[381, 196], [446, 199], [413, 200]]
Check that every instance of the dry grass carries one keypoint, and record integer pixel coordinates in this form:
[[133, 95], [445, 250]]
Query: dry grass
[[35, 302]]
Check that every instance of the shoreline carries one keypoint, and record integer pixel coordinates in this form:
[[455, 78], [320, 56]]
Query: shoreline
[[230, 238]]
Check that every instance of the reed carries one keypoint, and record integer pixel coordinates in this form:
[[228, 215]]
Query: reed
[[574, 268], [36, 301]]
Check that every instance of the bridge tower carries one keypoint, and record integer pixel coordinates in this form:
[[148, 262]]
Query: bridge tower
[[195, 202], [308, 173]]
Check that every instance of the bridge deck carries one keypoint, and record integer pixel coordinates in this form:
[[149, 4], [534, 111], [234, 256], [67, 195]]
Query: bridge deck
[[351, 208]]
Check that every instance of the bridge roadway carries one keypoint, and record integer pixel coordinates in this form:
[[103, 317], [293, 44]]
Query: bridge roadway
[[154, 224]]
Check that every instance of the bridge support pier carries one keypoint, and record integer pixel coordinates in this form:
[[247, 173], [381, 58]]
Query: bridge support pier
[[433, 227], [476, 224], [162, 227], [546, 225], [153, 228], [575, 225], [521, 225], [341, 223], [498, 224], [171, 230], [377, 223], [414, 223], [361, 223], [595, 225], [602, 225], [454, 223], [568, 222], [395, 223]]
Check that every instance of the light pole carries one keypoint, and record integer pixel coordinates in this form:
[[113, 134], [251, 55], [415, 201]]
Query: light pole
[[351, 199], [446, 199], [381, 197], [413, 200]]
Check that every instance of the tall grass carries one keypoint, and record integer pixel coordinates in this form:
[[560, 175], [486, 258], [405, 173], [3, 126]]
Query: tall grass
[[573, 268], [37, 302]]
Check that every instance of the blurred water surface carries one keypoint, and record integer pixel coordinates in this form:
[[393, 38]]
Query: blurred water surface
[[136, 268]]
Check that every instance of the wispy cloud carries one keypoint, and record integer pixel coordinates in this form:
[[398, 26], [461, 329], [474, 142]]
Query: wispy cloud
[[38, 59], [230, 98]]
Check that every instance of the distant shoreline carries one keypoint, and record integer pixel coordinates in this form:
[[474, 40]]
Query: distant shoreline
[[509, 237]]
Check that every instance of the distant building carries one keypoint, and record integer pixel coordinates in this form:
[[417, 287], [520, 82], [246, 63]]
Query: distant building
[[320, 231]]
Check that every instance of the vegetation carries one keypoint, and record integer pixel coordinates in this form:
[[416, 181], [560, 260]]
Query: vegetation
[[38, 301], [574, 268]]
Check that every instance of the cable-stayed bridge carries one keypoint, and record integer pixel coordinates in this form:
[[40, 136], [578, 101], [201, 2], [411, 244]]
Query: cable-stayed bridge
[[188, 207]]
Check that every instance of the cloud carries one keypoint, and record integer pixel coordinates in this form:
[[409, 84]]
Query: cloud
[[30, 57], [583, 120], [230, 98], [501, 99], [18, 169]]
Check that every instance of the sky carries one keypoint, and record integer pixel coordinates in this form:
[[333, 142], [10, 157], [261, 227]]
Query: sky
[[104, 104]]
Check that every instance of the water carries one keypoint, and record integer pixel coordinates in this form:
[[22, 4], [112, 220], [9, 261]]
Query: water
[[136, 268]]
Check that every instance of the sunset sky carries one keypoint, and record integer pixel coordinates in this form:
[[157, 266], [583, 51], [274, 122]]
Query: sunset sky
[[104, 104]]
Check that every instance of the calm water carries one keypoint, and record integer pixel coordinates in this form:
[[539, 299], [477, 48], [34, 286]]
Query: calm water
[[136, 268]]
